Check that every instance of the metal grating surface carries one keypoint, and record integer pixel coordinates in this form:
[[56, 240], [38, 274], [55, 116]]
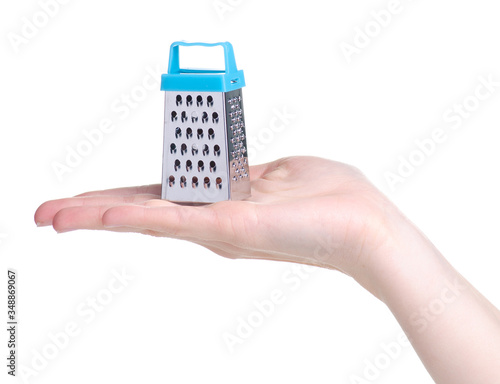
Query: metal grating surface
[[204, 153]]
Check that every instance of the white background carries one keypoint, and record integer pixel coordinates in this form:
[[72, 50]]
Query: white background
[[167, 324]]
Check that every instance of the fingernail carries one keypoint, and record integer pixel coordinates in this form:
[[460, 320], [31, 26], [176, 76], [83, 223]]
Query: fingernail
[[63, 230]]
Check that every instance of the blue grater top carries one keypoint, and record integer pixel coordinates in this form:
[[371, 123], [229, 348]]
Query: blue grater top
[[179, 79]]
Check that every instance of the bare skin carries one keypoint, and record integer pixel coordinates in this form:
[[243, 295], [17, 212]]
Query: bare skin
[[320, 212]]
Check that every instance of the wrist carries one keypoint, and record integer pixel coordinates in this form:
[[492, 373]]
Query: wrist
[[404, 260]]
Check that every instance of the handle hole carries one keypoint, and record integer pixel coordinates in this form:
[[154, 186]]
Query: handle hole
[[194, 56]]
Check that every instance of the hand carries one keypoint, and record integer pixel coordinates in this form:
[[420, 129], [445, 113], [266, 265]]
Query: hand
[[302, 209], [319, 212]]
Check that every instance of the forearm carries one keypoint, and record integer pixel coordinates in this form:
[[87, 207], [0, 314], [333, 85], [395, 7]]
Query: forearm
[[453, 328]]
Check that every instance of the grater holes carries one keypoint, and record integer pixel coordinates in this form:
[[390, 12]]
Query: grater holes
[[171, 181], [183, 148], [216, 150], [177, 164], [173, 148], [207, 166]]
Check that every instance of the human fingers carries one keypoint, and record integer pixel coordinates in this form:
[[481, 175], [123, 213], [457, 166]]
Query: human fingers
[[90, 217], [209, 222], [45, 213]]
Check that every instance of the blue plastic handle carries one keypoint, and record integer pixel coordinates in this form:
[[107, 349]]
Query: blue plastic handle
[[184, 79], [173, 63]]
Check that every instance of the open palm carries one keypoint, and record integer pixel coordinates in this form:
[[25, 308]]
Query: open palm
[[302, 209]]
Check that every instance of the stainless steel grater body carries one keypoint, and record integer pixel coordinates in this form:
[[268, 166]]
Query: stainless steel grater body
[[205, 153]]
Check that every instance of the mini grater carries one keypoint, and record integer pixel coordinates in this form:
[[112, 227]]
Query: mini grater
[[204, 142]]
